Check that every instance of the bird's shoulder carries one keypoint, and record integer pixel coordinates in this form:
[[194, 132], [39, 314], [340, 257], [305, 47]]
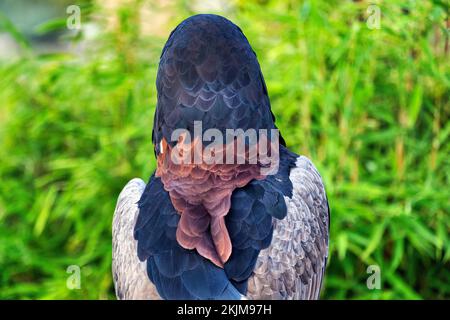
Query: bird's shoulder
[[295, 261], [129, 274]]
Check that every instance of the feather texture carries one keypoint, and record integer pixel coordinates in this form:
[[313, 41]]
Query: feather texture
[[293, 266], [177, 273], [129, 273], [263, 237], [278, 227], [208, 72]]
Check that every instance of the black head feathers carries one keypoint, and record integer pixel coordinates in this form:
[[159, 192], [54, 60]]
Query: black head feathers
[[208, 72]]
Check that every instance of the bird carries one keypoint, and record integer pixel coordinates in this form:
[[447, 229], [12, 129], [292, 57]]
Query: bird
[[219, 230]]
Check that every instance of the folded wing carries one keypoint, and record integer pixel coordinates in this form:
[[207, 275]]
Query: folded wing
[[129, 273], [293, 266]]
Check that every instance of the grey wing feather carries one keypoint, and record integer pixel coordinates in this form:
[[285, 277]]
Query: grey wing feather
[[129, 273], [293, 266]]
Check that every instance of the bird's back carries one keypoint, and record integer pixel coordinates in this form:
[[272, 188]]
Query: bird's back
[[286, 262]]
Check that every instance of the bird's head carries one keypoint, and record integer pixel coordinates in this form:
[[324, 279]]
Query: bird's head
[[209, 73], [213, 128]]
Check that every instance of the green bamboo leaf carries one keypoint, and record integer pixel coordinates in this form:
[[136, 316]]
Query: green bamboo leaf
[[7, 26], [401, 286], [57, 24], [375, 240], [415, 105], [397, 255], [341, 245], [45, 210]]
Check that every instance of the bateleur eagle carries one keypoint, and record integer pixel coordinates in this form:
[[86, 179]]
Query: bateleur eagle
[[218, 229]]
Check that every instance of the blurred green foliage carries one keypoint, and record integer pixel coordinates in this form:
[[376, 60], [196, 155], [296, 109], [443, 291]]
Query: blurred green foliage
[[369, 107]]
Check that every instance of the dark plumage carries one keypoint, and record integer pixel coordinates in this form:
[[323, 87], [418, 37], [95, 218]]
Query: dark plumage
[[208, 72], [221, 231], [249, 223]]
